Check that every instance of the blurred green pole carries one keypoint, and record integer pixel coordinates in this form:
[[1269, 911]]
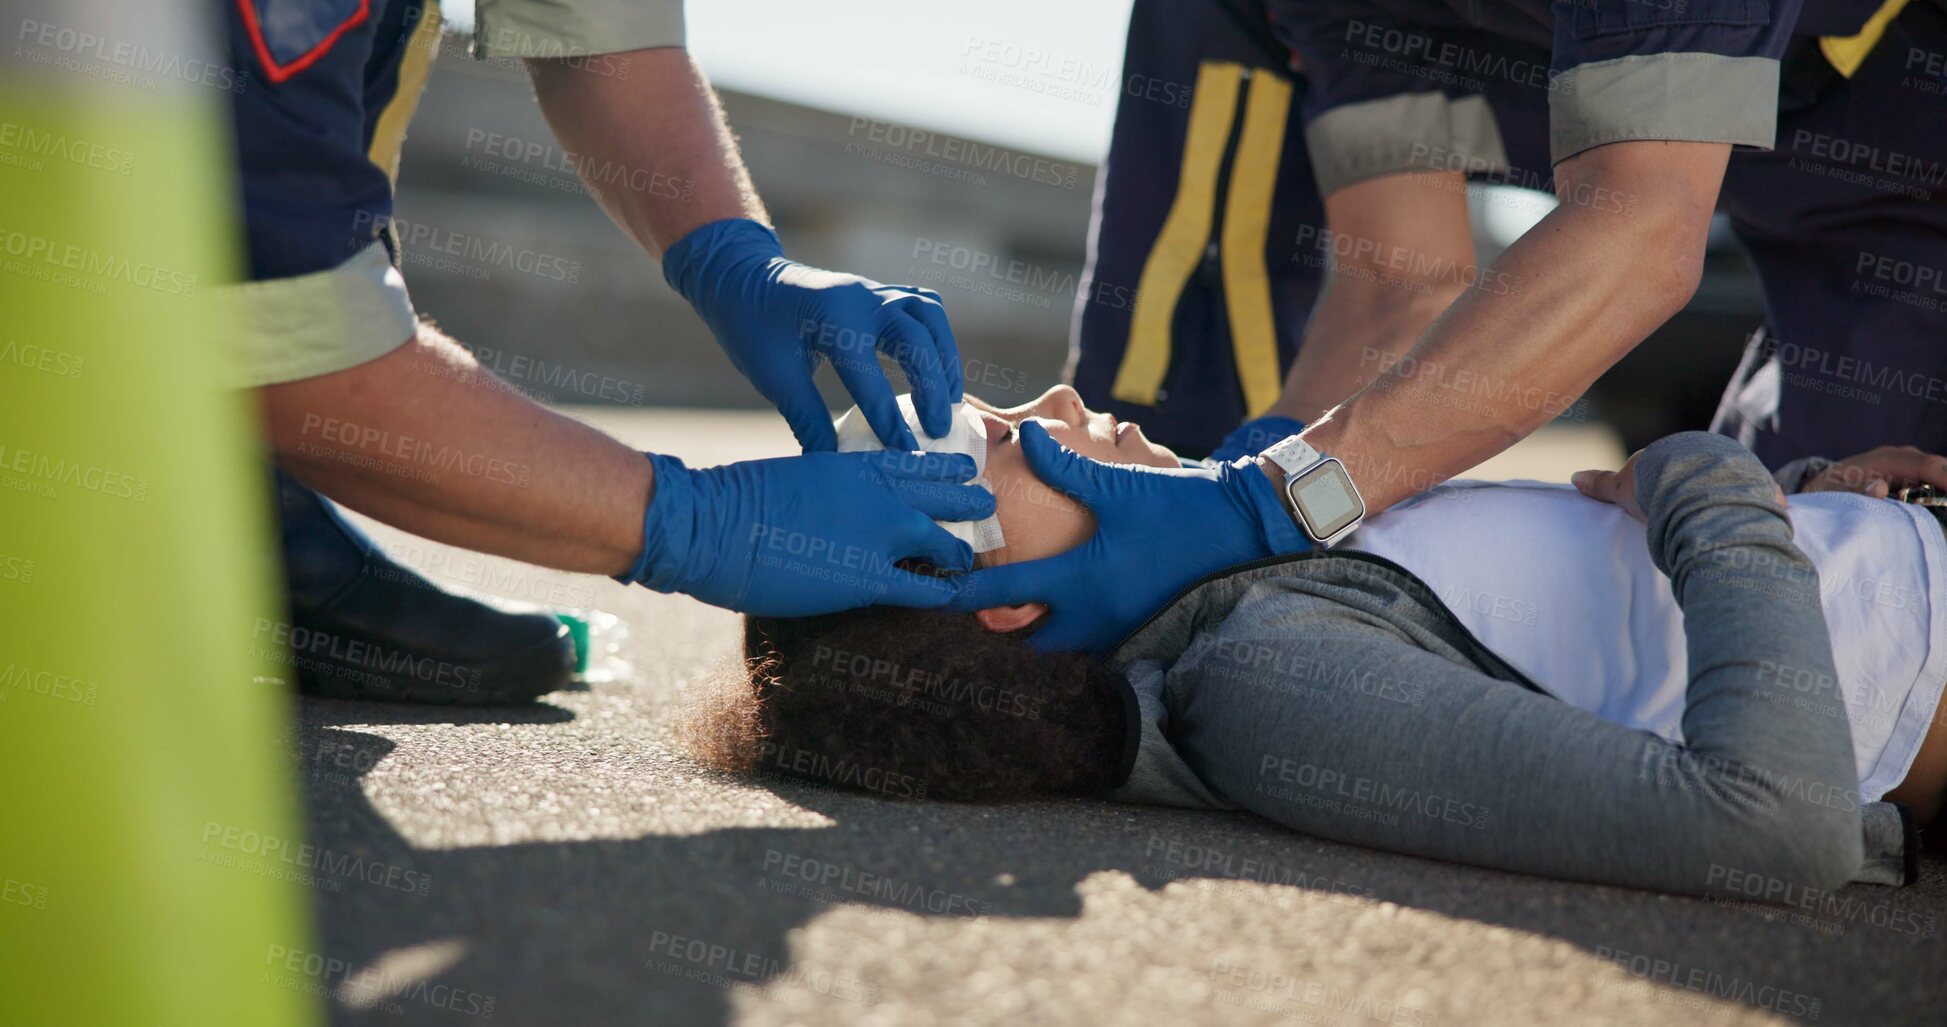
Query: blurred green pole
[[134, 545]]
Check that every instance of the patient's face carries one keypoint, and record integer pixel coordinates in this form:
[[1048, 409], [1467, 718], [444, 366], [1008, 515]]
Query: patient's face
[[1036, 520]]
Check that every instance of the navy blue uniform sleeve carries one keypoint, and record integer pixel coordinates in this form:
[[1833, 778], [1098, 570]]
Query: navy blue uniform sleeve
[[318, 122], [1692, 70], [1387, 94], [1408, 87]]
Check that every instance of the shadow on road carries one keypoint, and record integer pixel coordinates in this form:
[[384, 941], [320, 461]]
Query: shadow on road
[[657, 929], [334, 712]]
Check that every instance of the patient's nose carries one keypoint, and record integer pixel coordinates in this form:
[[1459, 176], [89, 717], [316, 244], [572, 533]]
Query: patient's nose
[[1062, 403]]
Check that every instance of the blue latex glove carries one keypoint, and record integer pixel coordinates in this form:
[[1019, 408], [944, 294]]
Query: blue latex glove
[[777, 319], [802, 535], [1255, 436], [1140, 555]]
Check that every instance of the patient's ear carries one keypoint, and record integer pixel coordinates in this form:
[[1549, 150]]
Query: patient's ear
[[1003, 619]]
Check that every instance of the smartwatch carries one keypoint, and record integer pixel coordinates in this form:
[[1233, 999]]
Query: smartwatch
[[1323, 499]]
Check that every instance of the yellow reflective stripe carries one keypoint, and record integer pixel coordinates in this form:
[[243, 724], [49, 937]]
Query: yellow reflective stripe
[[1179, 246], [1247, 219], [389, 134], [1847, 53]]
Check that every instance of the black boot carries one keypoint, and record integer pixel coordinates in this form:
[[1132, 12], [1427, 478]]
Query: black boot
[[364, 627]]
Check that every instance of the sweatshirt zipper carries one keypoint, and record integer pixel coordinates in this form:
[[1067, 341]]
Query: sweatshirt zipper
[[1310, 554]]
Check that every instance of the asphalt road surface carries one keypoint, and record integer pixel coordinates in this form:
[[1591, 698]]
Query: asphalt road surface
[[566, 864]]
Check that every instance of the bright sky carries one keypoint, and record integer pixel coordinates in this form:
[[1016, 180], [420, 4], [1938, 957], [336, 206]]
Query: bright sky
[[1038, 75]]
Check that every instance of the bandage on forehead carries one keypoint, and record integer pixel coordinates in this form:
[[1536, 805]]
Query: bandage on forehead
[[967, 435]]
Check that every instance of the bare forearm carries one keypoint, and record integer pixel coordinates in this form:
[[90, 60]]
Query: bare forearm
[[653, 145], [1356, 332], [1399, 248], [1495, 367], [426, 440]]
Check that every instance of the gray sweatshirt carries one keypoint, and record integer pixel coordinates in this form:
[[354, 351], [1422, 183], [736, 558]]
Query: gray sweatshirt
[[1334, 693]]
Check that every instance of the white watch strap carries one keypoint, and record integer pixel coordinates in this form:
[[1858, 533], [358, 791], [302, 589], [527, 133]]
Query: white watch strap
[[1292, 455]]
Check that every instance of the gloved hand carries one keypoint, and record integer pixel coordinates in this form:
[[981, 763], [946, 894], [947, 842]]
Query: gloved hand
[[1255, 436], [1140, 555], [802, 535], [777, 319]]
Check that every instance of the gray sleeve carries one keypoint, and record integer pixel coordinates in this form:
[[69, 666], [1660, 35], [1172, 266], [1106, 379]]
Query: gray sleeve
[[1671, 97], [1892, 846], [1386, 95], [1157, 775], [1793, 476], [1334, 721], [575, 28], [1403, 133], [1698, 71]]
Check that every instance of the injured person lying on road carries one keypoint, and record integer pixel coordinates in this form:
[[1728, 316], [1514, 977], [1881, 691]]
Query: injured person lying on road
[[1727, 697]]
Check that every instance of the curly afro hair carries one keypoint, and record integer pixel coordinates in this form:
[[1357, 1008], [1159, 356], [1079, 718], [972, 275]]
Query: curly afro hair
[[913, 704]]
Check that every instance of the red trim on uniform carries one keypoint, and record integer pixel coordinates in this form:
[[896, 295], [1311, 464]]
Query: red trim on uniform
[[280, 72]]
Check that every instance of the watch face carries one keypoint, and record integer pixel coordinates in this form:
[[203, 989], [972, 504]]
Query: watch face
[[1325, 497]]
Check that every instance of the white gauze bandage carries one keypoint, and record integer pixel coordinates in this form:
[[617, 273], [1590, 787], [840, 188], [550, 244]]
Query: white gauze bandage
[[968, 435]]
